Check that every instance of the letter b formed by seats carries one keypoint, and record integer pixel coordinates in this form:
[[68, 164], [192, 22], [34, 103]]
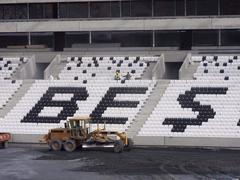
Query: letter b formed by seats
[[69, 107]]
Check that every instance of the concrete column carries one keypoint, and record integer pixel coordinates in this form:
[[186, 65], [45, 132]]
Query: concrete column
[[219, 38], [90, 37], [153, 35], [29, 38]]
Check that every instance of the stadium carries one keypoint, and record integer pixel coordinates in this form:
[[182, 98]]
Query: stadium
[[165, 72]]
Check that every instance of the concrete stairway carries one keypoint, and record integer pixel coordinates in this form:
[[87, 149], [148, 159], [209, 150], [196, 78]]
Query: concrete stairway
[[16, 97], [147, 109]]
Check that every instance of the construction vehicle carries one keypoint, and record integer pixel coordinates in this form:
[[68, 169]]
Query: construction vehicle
[[77, 134], [4, 138]]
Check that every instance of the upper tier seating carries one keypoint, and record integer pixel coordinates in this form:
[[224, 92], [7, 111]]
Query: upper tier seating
[[196, 108], [7, 89], [49, 102], [217, 67], [8, 65], [86, 68]]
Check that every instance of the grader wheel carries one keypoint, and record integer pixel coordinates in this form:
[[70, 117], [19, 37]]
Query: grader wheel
[[4, 144], [130, 144], [118, 146], [70, 145], [56, 145]]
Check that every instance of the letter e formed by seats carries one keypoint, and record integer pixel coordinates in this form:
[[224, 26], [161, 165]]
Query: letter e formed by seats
[[108, 101]]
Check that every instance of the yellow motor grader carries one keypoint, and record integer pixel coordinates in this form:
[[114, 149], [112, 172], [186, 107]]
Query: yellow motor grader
[[77, 134]]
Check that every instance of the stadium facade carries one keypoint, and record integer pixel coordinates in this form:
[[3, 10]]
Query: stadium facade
[[169, 24]]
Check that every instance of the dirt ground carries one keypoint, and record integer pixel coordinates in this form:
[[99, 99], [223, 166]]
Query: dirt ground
[[25, 162]]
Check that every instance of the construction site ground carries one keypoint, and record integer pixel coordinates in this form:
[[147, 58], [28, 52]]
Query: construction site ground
[[28, 162]]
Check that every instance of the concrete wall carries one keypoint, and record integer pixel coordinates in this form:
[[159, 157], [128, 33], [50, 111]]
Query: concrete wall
[[26, 70], [188, 141], [169, 55], [46, 57], [40, 55], [148, 73], [50, 69], [155, 141], [26, 138], [122, 24], [158, 71]]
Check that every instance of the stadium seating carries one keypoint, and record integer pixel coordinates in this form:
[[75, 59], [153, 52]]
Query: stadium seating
[[217, 67], [87, 68], [48, 102], [7, 89], [205, 107], [196, 108], [8, 65]]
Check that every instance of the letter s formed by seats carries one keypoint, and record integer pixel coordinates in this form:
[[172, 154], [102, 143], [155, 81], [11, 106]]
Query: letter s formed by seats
[[69, 107], [186, 100]]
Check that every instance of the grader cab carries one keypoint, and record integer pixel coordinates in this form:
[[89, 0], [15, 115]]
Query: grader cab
[[79, 134]]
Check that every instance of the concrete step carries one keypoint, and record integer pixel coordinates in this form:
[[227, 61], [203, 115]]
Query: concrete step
[[16, 97], [148, 107]]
